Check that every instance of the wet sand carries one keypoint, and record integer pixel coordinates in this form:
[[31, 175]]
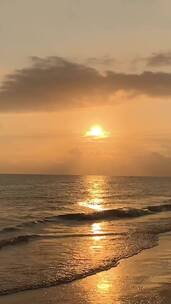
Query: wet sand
[[144, 278]]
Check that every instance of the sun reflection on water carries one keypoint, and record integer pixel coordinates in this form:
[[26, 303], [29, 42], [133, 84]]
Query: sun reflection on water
[[101, 247], [95, 188], [96, 229], [104, 285], [95, 204]]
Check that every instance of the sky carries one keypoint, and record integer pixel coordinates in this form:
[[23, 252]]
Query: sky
[[67, 65]]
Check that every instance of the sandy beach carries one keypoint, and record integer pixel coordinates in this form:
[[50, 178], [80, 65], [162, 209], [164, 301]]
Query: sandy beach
[[144, 278]]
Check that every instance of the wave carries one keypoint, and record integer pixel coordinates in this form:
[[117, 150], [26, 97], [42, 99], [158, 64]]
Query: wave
[[23, 224], [29, 237], [119, 213], [142, 240], [16, 240], [150, 242], [108, 214], [9, 229]]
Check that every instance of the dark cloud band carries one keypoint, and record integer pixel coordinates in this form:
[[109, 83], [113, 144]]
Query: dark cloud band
[[54, 83]]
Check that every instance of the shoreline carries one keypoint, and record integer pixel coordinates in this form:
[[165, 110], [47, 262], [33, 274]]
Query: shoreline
[[143, 277]]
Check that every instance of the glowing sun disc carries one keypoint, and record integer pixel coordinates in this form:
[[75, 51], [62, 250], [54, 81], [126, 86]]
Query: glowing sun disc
[[97, 132]]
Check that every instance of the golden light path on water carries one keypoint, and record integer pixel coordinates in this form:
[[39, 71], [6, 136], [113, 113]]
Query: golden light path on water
[[95, 188], [95, 202], [101, 284]]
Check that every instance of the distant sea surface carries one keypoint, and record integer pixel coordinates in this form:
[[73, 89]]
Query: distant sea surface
[[57, 229]]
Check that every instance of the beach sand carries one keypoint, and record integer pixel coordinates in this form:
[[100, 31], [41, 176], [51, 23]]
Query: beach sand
[[141, 279]]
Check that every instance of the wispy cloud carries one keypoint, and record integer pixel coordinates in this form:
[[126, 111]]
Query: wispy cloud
[[159, 59], [55, 83], [155, 60], [105, 61]]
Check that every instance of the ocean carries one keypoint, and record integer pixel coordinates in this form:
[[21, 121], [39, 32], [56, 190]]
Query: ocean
[[57, 229]]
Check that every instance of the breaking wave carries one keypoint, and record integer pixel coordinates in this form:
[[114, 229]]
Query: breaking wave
[[108, 214]]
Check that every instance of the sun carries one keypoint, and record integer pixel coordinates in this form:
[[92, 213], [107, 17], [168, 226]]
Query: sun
[[97, 131]]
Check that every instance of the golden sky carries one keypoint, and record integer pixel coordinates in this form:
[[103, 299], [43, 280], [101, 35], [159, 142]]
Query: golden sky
[[68, 65]]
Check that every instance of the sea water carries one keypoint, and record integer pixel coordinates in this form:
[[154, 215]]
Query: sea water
[[57, 229]]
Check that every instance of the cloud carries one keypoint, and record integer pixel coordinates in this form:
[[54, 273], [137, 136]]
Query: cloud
[[54, 83], [158, 59], [105, 61], [148, 164], [155, 164], [70, 164]]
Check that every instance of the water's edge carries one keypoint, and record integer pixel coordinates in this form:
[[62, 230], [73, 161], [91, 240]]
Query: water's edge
[[81, 276]]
